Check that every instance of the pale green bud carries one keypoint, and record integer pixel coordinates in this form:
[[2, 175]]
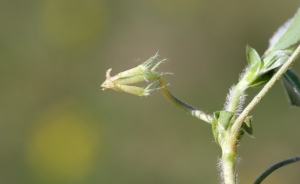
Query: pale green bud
[[144, 72]]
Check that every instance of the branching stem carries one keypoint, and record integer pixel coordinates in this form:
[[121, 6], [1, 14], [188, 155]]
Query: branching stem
[[238, 122], [231, 140]]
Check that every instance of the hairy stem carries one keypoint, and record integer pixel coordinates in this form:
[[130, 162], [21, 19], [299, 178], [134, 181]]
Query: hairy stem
[[235, 97], [229, 160], [238, 122], [192, 110], [231, 138]]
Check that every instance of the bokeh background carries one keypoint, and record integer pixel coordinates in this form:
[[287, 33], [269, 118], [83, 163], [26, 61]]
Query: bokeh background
[[57, 126]]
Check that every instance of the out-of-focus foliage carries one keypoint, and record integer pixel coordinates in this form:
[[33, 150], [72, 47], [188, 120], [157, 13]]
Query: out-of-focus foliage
[[57, 126], [64, 143]]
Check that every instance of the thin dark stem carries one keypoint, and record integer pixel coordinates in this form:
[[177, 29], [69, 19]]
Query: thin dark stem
[[190, 109], [274, 167]]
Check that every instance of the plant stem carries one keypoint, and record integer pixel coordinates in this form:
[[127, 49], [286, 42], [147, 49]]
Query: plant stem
[[235, 96], [230, 138], [238, 122], [229, 159], [190, 109], [274, 167]]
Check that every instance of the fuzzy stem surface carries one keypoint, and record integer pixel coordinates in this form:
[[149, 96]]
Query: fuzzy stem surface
[[229, 161], [238, 122], [230, 141]]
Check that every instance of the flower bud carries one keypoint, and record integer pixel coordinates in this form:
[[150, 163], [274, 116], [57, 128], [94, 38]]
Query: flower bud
[[144, 72]]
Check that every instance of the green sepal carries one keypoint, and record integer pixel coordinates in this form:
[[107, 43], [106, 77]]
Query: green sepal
[[291, 83]]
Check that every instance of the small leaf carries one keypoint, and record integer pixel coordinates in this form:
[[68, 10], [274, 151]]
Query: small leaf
[[291, 83], [252, 57], [287, 35], [278, 62], [275, 59], [254, 62], [247, 126], [224, 118], [262, 79], [240, 135]]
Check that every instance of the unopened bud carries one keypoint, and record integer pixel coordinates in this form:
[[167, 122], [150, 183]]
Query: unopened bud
[[144, 72]]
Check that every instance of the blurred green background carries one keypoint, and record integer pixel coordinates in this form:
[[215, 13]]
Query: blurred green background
[[57, 126]]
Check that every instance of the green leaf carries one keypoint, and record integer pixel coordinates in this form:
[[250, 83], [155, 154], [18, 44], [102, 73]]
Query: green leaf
[[287, 35], [214, 129], [274, 60], [247, 126], [253, 57], [263, 79], [291, 83], [224, 118], [252, 71]]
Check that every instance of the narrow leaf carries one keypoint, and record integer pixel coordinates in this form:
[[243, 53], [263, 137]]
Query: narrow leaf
[[215, 129], [291, 83]]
